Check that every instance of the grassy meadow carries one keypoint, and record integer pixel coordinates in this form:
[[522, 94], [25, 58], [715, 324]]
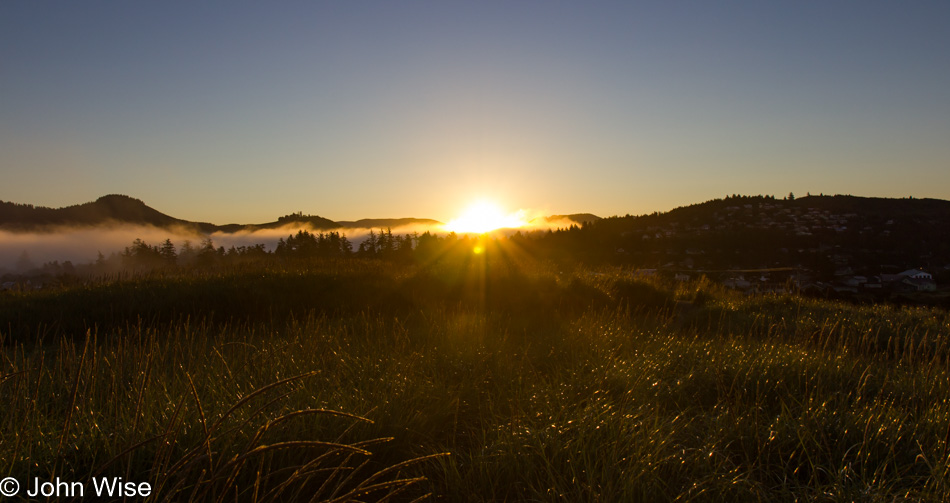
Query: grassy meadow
[[471, 379]]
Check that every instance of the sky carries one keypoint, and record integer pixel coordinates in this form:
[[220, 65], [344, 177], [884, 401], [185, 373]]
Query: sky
[[240, 112]]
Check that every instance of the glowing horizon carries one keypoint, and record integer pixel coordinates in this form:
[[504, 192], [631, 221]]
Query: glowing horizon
[[485, 216]]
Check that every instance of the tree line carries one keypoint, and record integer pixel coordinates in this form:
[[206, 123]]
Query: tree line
[[302, 246]]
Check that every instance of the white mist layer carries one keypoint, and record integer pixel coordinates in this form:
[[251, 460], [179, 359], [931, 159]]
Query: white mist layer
[[81, 245]]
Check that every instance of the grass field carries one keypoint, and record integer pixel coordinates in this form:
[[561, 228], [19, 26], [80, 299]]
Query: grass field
[[471, 380]]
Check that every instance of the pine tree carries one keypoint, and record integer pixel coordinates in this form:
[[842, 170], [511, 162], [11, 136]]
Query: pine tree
[[168, 253]]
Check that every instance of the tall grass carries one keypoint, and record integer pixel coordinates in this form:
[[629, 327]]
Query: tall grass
[[351, 384]]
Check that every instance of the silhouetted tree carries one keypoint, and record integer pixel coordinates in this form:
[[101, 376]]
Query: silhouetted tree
[[346, 247], [369, 246], [207, 254], [141, 255], [167, 252]]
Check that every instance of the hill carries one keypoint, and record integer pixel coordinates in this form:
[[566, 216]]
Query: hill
[[113, 208], [314, 221], [826, 234], [121, 209]]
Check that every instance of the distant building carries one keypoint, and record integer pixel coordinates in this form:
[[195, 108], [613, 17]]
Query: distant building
[[911, 280], [916, 274]]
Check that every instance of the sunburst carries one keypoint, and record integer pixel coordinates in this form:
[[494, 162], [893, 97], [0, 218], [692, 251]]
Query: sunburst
[[484, 216]]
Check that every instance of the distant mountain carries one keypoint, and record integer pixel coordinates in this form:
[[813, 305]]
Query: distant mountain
[[112, 208], [120, 209]]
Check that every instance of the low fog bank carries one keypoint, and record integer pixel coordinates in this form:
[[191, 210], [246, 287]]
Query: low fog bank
[[26, 250], [21, 252]]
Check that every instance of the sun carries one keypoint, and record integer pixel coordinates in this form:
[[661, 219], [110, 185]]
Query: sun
[[482, 217]]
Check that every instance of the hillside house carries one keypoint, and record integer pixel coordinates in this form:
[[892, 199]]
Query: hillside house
[[911, 280], [916, 274]]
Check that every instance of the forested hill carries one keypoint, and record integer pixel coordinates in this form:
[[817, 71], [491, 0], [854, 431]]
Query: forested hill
[[128, 210], [769, 212], [107, 209], [817, 232], [120, 209]]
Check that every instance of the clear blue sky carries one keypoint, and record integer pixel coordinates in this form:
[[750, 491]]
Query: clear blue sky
[[244, 111]]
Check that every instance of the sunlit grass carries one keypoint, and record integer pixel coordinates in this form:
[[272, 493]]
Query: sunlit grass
[[546, 386]]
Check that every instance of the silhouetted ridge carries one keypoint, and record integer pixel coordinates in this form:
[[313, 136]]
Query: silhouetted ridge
[[827, 235], [313, 221], [118, 208], [112, 208], [121, 209]]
